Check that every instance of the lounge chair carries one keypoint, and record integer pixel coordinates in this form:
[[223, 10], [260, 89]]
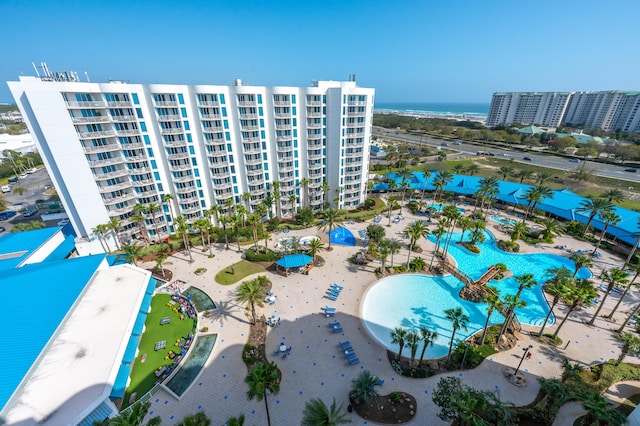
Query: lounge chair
[[331, 297], [380, 382], [347, 348], [276, 352], [353, 361], [334, 291], [284, 355], [350, 355], [327, 308], [337, 330], [160, 345], [333, 324], [337, 287], [330, 314], [344, 344]]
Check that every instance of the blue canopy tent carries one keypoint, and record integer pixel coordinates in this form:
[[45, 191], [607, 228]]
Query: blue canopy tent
[[293, 261]]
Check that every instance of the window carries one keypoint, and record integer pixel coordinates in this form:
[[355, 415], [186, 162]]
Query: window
[[259, 99], [180, 99], [222, 100], [183, 111], [143, 126], [154, 166]]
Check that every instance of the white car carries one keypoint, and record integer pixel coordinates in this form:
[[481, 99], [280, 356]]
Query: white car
[[23, 176], [32, 171], [6, 188]]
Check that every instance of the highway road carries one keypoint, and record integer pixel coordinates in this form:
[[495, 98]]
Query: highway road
[[544, 160]]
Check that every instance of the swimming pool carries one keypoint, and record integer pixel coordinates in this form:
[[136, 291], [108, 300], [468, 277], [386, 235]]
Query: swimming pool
[[440, 207], [412, 301], [502, 221], [342, 236]]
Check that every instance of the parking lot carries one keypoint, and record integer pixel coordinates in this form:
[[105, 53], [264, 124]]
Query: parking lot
[[35, 186]]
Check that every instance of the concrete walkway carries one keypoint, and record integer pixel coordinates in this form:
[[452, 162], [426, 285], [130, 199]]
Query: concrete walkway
[[316, 367]]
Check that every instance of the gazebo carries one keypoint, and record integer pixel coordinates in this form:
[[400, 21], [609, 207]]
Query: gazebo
[[293, 261]]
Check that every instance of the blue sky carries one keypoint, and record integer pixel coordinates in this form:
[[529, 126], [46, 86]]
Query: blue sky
[[412, 51]]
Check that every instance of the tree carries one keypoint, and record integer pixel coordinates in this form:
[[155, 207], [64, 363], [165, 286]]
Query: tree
[[167, 199], [494, 303], [580, 293], [440, 181], [427, 175], [636, 268], [135, 416], [315, 245], [465, 223], [251, 293], [329, 218], [472, 169], [101, 229], [556, 287], [375, 233], [263, 379], [534, 196], [581, 261], [551, 228], [203, 225], [19, 190], [600, 413], [523, 174], [629, 317], [439, 232], [613, 278], [304, 184], [325, 193], [236, 421], [131, 253], [393, 245], [404, 174], [459, 320], [383, 254], [160, 262], [114, 226], [609, 218], [517, 229], [391, 203], [613, 195], [399, 337], [152, 209], [364, 388], [414, 231], [635, 244], [413, 340], [630, 345], [542, 177], [569, 370], [182, 228], [198, 419], [224, 221], [593, 206], [316, 413], [246, 198], [506, 171], [428, 338], [235, 227]]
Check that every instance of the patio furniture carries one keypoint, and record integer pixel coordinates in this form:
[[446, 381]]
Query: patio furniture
[[339, 287], [276, 352], [165, 320], [333, 324], [337, 330], [327, 308], [331, 297], [160, 345], [329, 314], [353, 361], [344, 344], [283, 347]]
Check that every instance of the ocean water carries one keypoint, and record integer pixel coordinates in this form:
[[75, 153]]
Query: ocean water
[[470, 109]]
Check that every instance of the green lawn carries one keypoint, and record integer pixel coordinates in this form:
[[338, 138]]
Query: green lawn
[[242, 269], [142, 375]]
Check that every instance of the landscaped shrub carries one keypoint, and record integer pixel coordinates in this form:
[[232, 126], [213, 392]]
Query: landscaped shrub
[[508, 245], [249, 353], [263, 255]]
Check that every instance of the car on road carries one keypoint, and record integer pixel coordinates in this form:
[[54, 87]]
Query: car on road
[[32, 171], [574, 160], [444, 144], [13, 179], [7, 215], [631, 170], [29, 213], [6, 188], [504, 154], [23, 176], [457, 143], [527, 159]]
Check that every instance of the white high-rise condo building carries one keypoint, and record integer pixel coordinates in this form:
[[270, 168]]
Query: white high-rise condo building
[[608, 110], [110, 147]]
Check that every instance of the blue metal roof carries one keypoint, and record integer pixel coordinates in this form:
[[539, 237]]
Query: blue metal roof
[[120, 384], [101, 412], [294, 260], [130, 352], [63, 250], [24, 243], [47, 291]]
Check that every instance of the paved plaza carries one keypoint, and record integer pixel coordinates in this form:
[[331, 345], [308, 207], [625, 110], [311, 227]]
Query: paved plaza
[[316, 367]]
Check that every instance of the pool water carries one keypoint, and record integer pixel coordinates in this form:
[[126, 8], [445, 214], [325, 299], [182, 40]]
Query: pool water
[[505, 222], [192, 366], [200, 299], [440, 207], [342, 236]]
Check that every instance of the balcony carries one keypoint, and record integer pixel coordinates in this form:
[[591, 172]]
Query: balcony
[[286, 126], [214, 142], [135, 158], [314, 114], [314, 103], [354, 142], [208, 103], [212, 129], [250, 127], [96, 134], [355, 124], [171, 131], [97, 119], [315, 166], [249, 115], [189, 198], [176, 143], [178, 155], [86, 104], [282, 114], [113, 212], [314, 136], [106, 162], [217, 153], [251, 139], [142, 182], [357, 103], [222, 185], [286, 169], [186, 189], [357, 113], [282, 103], [220, 195], [127, 132], [257, 191], [116, 187], [247, 103], [314, 125], [179, 167], [139, 171], [353, 172], [254, 172], [101, 148], [284, 138], [165, 103], [353, 154], [210, 117], [119, 103], [144, 191], [121, 118], [118, 199], [190, 210], [284, 148], [169, 117], [355, 135], [111, 175], [219, 175], [253, 161], [285, 178], [182, 179], [253, 151], [314, 157]]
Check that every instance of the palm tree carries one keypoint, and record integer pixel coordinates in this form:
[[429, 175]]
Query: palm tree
[[228, 204], [364, 388], [459, 320], [263, 379], [224, 221], [139, 219], [198, 419], [613, 278], [254, 220], [182, 228], [292, 200], [167, 199], [451, 213], [250, 293], [534, 196], [517, 229], [394, 247], [152, 209], [160, 262], [494, 303], [304, 184], [505, 172], [487, 187], [427, 175], [635, 244], [439, 232], [556, 287], [383, 254], [609, 218], [523, 174], [569, 370], [398, 337], [316, 413], [580, 293], [464, 223], [391, 201], [593, 206], [599, 412], [101, 229], [636, 268], [551, 227], [114, 226], [215, 213], [203, 225], [246, 198], [236, 421], [613, 195], [542, 177], [440, 181], [235, 223], [325, 192], [413, 340], [329, 218], [315, 245], [135, 416], [472, 169], [581, 261], [428, 339], [414, 231], [629, 317], [131, 253], [511, 302]]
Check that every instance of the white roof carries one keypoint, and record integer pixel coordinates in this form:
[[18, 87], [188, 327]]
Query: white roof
[[76, 371]]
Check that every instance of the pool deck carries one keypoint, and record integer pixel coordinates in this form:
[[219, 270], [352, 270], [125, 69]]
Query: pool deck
[[316, 366]]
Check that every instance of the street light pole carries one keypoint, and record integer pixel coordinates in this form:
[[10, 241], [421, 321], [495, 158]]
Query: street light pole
[[526, 351]]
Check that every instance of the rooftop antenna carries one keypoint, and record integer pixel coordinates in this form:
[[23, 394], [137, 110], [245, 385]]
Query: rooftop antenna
[[35, 68], [86, 74]]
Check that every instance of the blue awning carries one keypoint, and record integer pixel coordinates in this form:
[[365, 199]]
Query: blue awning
[[146, 302], [294, 261], [130, 352], [151, 287], [120, 385], [139, 324]]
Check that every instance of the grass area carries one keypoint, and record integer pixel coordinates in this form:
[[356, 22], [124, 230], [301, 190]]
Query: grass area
[[242, 269], [142, 375]]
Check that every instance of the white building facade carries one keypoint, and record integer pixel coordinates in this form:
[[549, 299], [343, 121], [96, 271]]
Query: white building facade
[[183, 149], [607, 110]]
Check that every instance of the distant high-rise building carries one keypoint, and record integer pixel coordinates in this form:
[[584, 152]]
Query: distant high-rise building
[[608, 110], [111, 146]]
